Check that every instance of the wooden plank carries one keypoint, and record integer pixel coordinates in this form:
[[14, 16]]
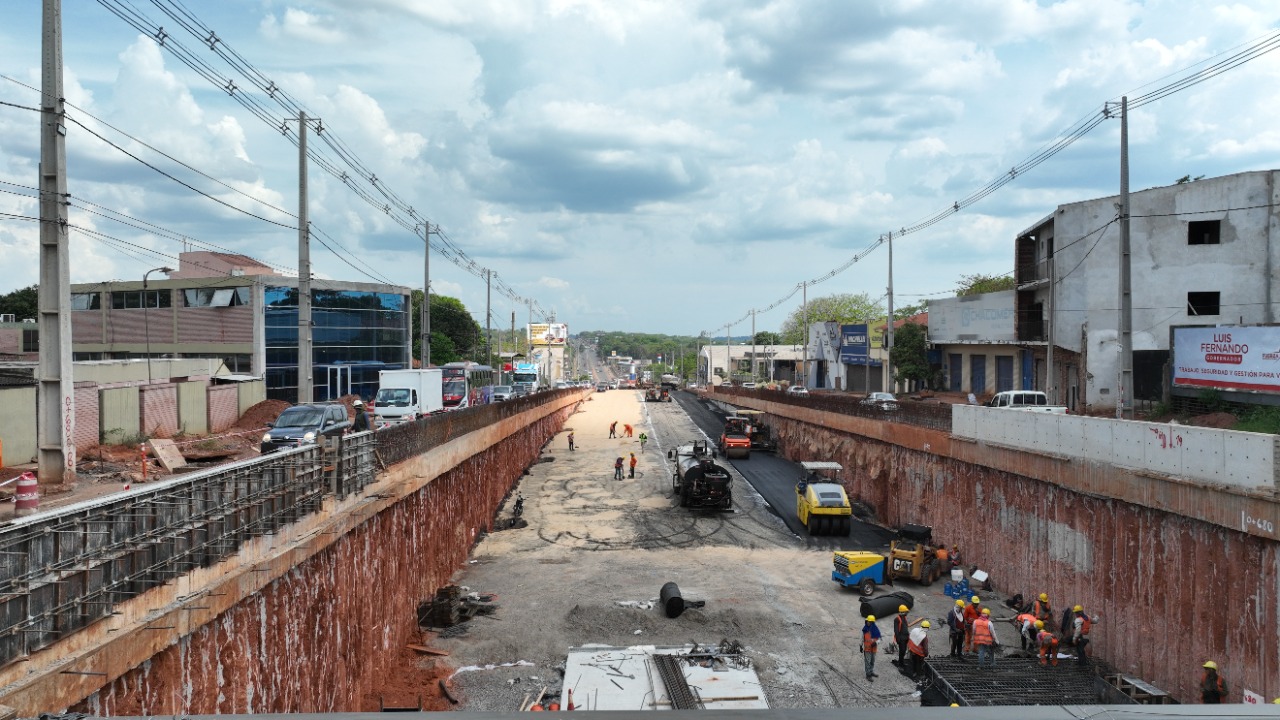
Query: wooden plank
[[167, 453]]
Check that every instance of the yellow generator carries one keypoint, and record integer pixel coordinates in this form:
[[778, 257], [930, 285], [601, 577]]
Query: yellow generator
[[860, 569], [821, 503]]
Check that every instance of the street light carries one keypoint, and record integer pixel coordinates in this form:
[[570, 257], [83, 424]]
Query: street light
[[146, 325]]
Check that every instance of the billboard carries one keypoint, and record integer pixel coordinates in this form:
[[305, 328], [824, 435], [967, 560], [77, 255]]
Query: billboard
[[1227, 358], [985, 318], [548, 334], [855, 341]]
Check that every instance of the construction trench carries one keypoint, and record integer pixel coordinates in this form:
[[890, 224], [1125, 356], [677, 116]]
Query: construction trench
[[291, 611]]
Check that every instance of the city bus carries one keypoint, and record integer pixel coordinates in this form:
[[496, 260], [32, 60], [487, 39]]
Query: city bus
[[465, 384]]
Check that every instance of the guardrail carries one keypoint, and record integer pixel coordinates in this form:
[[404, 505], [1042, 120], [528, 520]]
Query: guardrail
[[936, 416]]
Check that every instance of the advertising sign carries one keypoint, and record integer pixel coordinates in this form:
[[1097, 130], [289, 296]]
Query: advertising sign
[[985, 318], [853, 344], [1227, 358], [545, 334]]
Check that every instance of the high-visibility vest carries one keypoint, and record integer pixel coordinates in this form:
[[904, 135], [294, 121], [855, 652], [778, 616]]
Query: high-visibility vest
[[982, 632], [1047, 639], [1025, 618], [1042, 611], [971, 613], [900, 626], [869, 643], [916, 646]]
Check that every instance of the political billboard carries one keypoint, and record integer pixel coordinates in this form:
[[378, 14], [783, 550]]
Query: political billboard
[[548, 334], [1227, 358]]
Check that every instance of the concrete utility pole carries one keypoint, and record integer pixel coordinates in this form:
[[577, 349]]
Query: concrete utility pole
[[888, 331], [753, 345], [305, 356], [728, 355], [1051, 379], [1124, 407], [488, 330], [426, 295], [804, 349], [55, 410]]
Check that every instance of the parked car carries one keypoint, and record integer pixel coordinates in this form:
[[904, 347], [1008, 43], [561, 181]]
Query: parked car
[[502, 392], [304, 425], [748, 386], [882, 400], [1031, 400], [797, 390], [601, 387]]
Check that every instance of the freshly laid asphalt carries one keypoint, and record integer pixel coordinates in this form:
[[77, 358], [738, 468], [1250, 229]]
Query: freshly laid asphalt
[[775, 479]]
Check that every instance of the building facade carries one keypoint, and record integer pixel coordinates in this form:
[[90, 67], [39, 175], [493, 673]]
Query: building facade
[[978, 344], [1203, 253], [250, 322]]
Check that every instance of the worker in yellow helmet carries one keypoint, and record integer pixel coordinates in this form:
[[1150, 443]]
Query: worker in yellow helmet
[[971, 613], [1213, 689], [1041, 608], [984, 637], [870, 645], [918, 645], [901, 634], [955, 623]]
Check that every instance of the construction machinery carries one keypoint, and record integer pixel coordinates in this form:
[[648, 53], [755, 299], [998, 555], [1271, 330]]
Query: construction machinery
[[860, 569], [761, 437], [654, 394], [735, 440], [915, 556], [698, 480], [821, 503]]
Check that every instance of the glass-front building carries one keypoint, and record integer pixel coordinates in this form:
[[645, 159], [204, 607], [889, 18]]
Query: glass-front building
[[356, 333]]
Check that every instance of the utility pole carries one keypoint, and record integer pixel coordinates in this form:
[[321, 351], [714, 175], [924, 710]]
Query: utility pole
[[888, 332], [753, 345], [55, 411], [305, 355], [1124, 409], [426, 295], [488, 331], [728, 355], [1051, 379], [512, 376], [804, 349]]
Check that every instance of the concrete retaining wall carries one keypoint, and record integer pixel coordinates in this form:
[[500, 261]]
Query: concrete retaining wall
[[17, 427], [344, 586], [1173, 588], [1224, 457]]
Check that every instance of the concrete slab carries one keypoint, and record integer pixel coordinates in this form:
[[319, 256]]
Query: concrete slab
[[614, 678]]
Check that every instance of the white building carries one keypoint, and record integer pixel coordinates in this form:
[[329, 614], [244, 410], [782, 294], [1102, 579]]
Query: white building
[[773, 363], [1202, 253], [976, 338]]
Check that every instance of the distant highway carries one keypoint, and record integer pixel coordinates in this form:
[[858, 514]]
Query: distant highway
[[775, 479]]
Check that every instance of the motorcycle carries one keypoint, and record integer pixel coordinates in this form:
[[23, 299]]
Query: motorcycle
[[518, 509]]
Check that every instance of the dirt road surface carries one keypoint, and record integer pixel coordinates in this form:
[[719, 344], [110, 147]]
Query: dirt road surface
[[593, 542]]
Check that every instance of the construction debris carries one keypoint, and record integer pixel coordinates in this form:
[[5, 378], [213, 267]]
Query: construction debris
[[453, 605]]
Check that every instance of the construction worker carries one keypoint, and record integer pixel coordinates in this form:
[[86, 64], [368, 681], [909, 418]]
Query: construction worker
[[633, 465], [955, 557], [984, 637], [870, 646], [361, 421], [901, 633], [1048, 644], [617, 469], [571, 441], [643, 439], [1080, 634], [918, 645], [626, 430], [1026, 624], [613, 429], [1041, 609], [1212, 687], [955, 623], [971, 613]]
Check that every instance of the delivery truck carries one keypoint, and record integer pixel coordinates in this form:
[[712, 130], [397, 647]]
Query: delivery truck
[[406, 395]]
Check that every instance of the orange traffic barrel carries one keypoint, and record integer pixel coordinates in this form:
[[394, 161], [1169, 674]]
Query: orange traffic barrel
[[26, 495]]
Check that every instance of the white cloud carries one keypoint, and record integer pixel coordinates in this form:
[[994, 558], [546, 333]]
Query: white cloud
[[554, 283]]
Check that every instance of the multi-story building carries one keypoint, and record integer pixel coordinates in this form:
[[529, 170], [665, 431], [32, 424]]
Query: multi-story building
[[975, 337], [248, 317], [1203, 253]]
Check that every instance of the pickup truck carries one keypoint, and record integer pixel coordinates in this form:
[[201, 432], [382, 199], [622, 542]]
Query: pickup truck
[[1032, 400]]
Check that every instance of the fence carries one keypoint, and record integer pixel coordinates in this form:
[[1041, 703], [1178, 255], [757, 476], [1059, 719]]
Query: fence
[[936, 416]]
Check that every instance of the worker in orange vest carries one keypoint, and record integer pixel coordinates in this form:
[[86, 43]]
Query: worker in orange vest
[[1048, 644], [970, 614], [901, 634], [984, 637], [1041, 608], [633, 465], [1080, 634], [956, 624], [918, 646], [1212, 687], [1026, 624]]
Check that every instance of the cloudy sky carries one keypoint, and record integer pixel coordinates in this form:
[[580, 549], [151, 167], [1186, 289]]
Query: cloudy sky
[[642, 165]]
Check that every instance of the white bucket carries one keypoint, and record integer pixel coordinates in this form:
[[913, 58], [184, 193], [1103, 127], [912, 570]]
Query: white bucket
[[957, 574]]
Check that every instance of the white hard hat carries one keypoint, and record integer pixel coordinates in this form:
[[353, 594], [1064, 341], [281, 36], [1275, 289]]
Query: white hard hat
[[358, 403]]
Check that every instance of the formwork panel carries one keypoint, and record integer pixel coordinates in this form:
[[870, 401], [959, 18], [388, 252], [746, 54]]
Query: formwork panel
[[1163, 449], [1128, 444], [1071, 436]]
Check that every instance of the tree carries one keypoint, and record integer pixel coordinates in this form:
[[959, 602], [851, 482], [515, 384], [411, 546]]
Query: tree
[[451, 321], [979, 284], [844, 308], [22, 303], [768, 337], [906, 311], [910, 354]]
